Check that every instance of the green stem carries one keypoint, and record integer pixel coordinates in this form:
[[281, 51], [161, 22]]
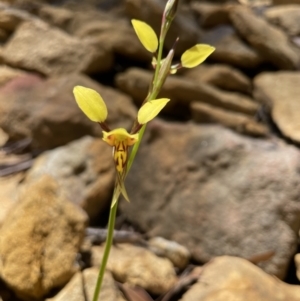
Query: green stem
[[108, 243], [159, 56]]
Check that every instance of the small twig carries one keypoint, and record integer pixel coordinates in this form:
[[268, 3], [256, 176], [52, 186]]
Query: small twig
[[98, 236], [16, 147], [14, 168]]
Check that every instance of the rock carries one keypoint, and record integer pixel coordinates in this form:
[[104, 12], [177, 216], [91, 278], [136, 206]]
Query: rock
[[3, 139], [183, 26], [4, 35], [11, 18], [280, 93], [138, 266], [285, 16], [276, 2], [55, 52], [51, 116], [178, 254], [231, 278], [39, 241], [75, 291], [210, 14], [230, 49], [84, 170], [56, 16], [222, 76], [122, 41], [135, 82], [8, 73], [268, 40], [297, 263], [242, 123], [224, 190], [8, 193]]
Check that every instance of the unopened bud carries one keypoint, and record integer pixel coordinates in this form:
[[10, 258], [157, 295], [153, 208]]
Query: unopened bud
[[168, 16], [170, 10]]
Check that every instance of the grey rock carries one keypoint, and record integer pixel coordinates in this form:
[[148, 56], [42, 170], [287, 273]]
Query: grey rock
[[84, 170], [233, 195]]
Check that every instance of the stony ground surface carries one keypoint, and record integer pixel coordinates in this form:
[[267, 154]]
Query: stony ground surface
[[215, 188]]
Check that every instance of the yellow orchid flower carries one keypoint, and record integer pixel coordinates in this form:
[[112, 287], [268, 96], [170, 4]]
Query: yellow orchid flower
[[92, 104], [120, 139]]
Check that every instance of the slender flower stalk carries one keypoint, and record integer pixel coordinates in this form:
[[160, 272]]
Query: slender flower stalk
[[92, 104]]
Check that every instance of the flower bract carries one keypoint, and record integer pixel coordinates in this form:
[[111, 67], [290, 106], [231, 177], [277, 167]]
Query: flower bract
[[146, 35], [91, 103], [196, 55]]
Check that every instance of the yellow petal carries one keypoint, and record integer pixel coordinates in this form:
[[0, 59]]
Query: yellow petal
[[116, 136], [146, 35], [151, 109], [91, 103], [196, 55]]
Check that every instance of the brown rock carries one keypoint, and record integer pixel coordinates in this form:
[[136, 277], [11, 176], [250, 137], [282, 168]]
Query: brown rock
[[116, 35], [297, 263], [51, 116], [242, 123], [230, 49], [11, 18], [8, 194], [280, 93], [56, 16], [210, 14], [268, 40], [138, 266], [3, 139], [286, 2], [183, 26], [181, 90], [4, 35], [81, 288], [221, 76], [178, 254], [84, 170], [231, 278], [55, 52], [285, 16], [224, 190], [7, 73], [39, 241]]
